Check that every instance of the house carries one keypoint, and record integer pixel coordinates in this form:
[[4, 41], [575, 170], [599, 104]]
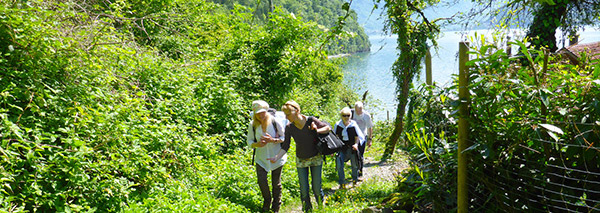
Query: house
[[576, 51]]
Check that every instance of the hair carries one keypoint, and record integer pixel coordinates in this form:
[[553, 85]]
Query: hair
[[358, 104], [289, 106], [346, 110], [256, 121]]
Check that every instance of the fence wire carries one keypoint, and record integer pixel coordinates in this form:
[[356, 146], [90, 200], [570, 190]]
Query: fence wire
[[562, 177]]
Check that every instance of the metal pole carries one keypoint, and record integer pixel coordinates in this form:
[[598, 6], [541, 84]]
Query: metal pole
[[463, 127], [428, 67]]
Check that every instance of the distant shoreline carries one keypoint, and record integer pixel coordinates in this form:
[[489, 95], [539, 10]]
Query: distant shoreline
[[338, 56], [345, 54]]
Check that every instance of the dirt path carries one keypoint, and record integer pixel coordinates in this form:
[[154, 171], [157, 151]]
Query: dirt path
[[383, 171], [374, 171]]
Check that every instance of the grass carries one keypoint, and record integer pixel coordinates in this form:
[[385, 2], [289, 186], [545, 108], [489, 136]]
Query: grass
[[368, 193]]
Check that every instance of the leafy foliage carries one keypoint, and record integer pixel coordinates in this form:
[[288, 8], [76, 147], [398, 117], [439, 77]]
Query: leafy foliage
[[414, 30], [541, 17], [327, 14], [528, 121], [133, 105]]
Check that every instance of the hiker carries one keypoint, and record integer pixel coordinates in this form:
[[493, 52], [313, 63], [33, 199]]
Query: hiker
[[265, 134], [347, 130], [363, 119], [304, 131]]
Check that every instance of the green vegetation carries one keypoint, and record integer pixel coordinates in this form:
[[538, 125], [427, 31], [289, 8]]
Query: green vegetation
[[369, 193], [415, 32], [527, 122], [143, 105], [326, 14]]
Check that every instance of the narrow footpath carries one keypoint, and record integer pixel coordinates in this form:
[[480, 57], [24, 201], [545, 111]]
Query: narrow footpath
[[375, 171]]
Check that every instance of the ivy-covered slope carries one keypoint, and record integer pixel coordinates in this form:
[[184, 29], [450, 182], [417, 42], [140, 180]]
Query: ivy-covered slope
[[134, 104], [325, 13]]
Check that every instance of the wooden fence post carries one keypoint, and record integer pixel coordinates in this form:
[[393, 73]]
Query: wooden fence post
[[428, 68], [508, 46], [463, 127]]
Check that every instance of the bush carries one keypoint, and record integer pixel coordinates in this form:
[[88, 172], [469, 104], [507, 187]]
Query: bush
[[524, 117], [97, 115]]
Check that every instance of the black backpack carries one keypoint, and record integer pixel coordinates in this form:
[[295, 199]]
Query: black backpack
[[328, 143]]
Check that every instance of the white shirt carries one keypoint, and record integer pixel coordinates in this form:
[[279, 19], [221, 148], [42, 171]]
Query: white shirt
[[359, 134], [364, 121], [270, 149]]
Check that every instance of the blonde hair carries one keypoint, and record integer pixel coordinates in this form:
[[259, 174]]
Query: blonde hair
[[256, 121], [289, 106], [346, 110]]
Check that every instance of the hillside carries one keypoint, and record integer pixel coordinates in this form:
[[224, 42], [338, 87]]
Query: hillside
[[138, 106], [325, 13]]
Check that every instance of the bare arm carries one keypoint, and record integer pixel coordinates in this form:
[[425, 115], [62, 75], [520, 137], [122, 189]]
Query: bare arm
[[319, 126], [278, 156]]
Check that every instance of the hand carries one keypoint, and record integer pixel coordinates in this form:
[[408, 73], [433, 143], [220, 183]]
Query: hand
[[355, 147], [273, 159], [267, 138], [261, 143], [369, 142], [313, 126]]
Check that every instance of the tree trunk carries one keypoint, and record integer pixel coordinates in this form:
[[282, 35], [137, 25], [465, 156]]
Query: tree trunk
[[399, 123], [545, 22]]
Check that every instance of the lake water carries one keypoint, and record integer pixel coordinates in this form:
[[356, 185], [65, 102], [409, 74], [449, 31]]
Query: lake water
[[372, 70]]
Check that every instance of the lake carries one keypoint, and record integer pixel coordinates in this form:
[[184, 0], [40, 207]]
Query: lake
[[372, 70]]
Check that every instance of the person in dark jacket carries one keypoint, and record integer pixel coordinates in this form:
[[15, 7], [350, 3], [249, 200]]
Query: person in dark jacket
[[348, 131], [304, 131]]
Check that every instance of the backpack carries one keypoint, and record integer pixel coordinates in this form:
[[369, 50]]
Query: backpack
[[278, 116], [328, 143]]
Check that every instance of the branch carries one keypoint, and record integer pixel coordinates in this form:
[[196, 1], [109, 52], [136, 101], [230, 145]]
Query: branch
[[429, 25], [340, 26]]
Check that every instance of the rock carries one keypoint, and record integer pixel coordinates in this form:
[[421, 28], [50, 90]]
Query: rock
[[371, 209]]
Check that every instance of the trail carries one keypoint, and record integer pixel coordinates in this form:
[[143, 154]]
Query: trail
[[374, 171]]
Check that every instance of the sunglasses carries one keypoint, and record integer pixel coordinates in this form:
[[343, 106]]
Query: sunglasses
[[345, 116], [292, 106]]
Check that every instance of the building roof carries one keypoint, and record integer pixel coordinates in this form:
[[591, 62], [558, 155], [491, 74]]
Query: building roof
[[574, 52]]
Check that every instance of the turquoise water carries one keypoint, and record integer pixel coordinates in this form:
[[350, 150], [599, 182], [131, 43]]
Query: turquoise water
[[372, 71]]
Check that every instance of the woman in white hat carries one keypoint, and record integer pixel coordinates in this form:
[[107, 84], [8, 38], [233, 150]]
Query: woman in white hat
[[265, 134]]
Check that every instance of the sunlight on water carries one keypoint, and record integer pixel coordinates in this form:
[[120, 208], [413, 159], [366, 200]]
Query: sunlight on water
[[372, 71]]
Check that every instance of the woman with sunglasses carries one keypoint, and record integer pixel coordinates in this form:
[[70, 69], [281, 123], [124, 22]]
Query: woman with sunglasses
[[348, 131], [304, 131]]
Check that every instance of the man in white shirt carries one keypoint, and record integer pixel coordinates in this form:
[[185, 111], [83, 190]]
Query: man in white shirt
[[363, 118]]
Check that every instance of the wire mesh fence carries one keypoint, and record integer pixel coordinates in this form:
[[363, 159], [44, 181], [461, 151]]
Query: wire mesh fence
[[543, 174]]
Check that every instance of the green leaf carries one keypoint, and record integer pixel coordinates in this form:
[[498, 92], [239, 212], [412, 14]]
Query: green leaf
[[549, 2], [552, 128], [553, 136], [544, 97], [346, 6]]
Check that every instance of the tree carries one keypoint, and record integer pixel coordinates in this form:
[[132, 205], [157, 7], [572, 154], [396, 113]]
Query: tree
[[542, 17], [414, 30]]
